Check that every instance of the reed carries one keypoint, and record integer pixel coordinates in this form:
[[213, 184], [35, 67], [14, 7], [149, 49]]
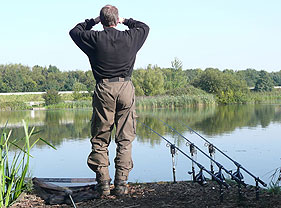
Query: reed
[[72, 105], [14, 105], [275, 183], [273, 97], [174, 101], [13, 171]]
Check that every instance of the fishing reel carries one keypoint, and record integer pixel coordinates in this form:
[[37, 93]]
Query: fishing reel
[[220, 175], [238, 175], [200, 178]]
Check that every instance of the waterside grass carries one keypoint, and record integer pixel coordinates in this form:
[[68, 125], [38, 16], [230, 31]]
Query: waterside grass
[[71, 105], [183, 97], [174, 101], [13, 171], [14, 105], [273, 97]]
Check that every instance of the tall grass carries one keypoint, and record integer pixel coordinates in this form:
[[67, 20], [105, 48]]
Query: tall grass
[[15, 105], [13, 171], [275, 183], [73, 105], [174, 101], [272, 97]]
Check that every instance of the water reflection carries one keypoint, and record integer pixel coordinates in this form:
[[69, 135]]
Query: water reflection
[[59, 125]]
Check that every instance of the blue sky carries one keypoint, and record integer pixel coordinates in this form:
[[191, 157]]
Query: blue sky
[[226, 34]]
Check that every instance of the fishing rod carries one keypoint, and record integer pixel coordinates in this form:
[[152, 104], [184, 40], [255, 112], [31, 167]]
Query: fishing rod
[[199, 177], [221, 167], [238, 173]]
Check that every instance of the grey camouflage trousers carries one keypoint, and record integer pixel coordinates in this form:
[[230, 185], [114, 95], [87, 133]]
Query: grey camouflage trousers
[[113, 104]]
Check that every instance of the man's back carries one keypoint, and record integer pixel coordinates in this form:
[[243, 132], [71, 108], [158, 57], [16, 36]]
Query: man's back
[[111, 52]]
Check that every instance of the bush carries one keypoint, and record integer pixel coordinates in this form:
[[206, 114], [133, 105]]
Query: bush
[[51, 97], [226, 86]]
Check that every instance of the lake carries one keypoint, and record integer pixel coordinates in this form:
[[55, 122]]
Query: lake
[[250, 134]]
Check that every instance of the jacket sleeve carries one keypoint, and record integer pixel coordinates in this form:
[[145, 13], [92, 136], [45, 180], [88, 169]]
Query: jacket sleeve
[[82, 35], [139, 30]]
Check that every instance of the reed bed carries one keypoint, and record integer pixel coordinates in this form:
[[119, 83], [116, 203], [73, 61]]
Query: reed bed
[[174, 101], [14, 105], [13, 171], [273, 97], [72, 105]]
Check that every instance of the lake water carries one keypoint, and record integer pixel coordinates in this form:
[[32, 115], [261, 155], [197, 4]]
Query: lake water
[[250, 134]]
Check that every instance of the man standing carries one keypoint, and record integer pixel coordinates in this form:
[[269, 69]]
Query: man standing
[[112, 55]]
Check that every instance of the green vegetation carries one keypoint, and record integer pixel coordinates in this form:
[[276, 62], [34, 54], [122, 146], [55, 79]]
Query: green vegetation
[[174, 101], [19, 78], [226, 86], [264, 82], [71, 104], [13, 172], [15, 105], [164, 84], [275, 184], [271, 97], [52, 97]]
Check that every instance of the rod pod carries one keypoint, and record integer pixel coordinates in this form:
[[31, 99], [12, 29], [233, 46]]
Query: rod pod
[[238, 180], [198, 164], [257, 179]]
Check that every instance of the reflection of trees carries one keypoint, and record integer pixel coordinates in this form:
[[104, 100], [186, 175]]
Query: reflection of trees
[[172, 118], [57, 126], [228, 118], [210, 121]]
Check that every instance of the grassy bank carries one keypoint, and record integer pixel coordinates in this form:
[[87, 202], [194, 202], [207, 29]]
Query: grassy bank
[[273, 97], [71, 104], [14, 105], [174, 101], [184, 97]]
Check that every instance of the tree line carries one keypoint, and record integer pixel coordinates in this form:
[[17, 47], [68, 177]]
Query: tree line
[[149, 81]]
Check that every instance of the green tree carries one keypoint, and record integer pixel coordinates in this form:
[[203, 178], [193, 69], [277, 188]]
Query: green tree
[[191, 74], [276, 77], [138, 80], [51, 97], [174, 77], [149, 81], [153, 82], [226, 86], [176, 64], [90, 81], [264, 83], [77, 88], [249, 75]]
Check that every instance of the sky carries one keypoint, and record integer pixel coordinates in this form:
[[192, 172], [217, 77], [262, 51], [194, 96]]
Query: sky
[[224, 34]]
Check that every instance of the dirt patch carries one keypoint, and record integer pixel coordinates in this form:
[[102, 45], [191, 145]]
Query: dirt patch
[[166, 194]]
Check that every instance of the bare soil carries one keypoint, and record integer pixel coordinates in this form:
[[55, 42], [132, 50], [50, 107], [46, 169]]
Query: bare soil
[[166, 194]]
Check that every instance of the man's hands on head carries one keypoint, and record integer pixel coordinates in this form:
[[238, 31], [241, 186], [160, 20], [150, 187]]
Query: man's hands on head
[[97, 20], [121, 20]]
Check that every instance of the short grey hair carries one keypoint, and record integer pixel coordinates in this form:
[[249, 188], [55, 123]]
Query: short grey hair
[[109, 15]]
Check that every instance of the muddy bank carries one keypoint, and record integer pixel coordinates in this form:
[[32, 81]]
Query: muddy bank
[[166, 194]]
